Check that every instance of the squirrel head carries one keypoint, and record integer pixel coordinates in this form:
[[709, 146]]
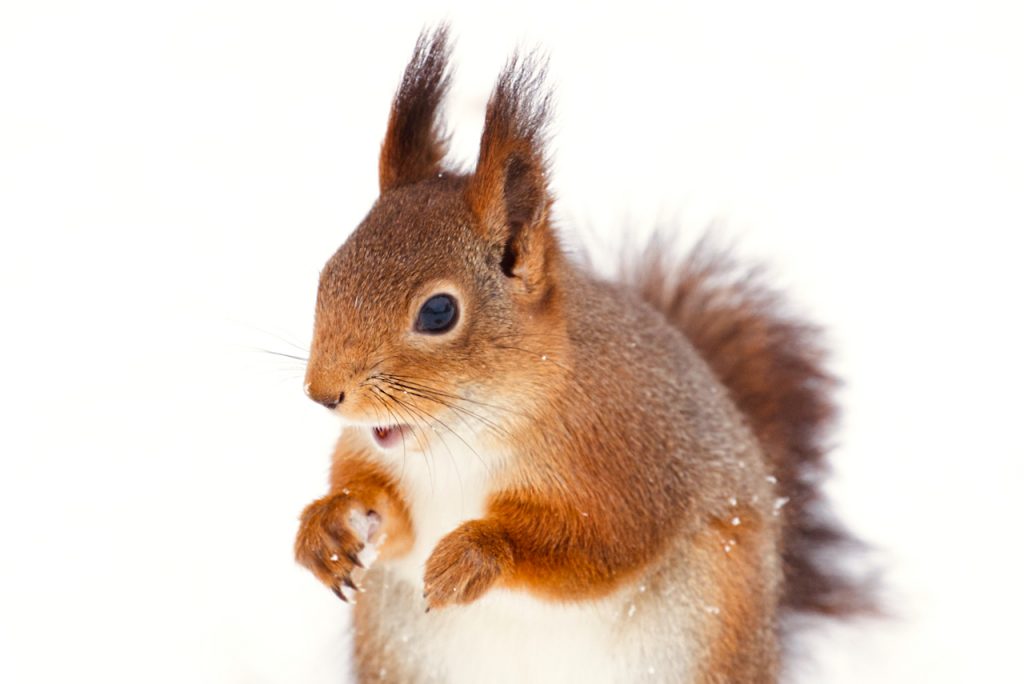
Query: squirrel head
[[450, 287]]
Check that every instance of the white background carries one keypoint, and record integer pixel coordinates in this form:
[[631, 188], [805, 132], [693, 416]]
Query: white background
[[173, 175]]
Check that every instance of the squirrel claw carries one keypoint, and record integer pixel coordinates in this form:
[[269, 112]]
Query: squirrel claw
[[328, 546]]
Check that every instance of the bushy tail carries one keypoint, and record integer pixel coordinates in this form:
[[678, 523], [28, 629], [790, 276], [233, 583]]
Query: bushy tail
[[773, 366]]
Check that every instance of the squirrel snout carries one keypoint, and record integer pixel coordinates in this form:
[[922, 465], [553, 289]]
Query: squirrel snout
[[329, 398], [331, 401], [326, 383]]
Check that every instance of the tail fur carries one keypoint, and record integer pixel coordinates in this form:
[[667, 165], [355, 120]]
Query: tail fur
[[773, 365]]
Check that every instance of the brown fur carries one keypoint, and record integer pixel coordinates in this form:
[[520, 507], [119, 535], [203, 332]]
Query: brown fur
[[773, 364], [415, 143], [743, 604], [638, 441]]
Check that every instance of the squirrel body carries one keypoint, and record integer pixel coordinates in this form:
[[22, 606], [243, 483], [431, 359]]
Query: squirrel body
[[556, 478]]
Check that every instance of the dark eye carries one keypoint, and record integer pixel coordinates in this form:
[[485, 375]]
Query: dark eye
[[437, 315]]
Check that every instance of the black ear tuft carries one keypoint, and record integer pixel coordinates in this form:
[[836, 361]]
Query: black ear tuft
[[415, 142]]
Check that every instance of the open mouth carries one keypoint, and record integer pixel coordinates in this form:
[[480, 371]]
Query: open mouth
[[388, 436]]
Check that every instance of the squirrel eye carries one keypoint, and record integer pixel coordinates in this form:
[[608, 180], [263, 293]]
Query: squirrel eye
[[437, 315]]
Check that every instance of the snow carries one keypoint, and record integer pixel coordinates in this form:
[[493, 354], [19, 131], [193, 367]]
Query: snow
[[779, 503]]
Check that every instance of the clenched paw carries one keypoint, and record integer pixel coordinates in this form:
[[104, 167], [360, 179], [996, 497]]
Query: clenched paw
[[465, 564], [332, 534]]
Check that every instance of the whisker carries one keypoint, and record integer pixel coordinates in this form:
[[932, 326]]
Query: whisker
[[412, 420], [448, 405], [451, 456], [273, 334], [445, 426], [390, 416], [411, 382], [277, 353], [426, 393]]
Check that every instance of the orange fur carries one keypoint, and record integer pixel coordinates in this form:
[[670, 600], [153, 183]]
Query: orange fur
[[626, 433], [326, 544]]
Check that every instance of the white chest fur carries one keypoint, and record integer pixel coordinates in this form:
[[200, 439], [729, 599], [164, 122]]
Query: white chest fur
[[504, 636], [444, 486]]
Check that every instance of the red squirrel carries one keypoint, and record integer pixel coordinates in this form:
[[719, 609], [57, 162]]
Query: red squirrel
[[544, 476]]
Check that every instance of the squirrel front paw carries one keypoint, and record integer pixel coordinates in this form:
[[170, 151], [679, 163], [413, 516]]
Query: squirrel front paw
[[466, 563], [333, 532]]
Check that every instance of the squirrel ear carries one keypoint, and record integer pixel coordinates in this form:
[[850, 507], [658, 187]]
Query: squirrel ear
[[415, 142], [508, 192]]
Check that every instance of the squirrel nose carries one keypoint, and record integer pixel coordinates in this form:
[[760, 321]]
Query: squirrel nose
[[331, 402], [328, 399]]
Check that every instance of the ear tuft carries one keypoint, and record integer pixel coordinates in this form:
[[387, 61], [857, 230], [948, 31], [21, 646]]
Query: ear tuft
[[416, 142], [508, 192]]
